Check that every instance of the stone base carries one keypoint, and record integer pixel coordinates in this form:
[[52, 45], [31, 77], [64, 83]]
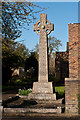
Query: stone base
[[19, 111], [39, 87], [42, 91], [72, 95], [36, 96], [1, 109]]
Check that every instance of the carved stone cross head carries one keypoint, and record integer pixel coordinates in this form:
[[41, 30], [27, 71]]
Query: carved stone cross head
[[43, 25]]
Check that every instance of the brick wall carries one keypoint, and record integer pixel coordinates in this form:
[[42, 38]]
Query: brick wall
[[74, 50], [71, 95], [72, 84], [61, 66], [52, 65]]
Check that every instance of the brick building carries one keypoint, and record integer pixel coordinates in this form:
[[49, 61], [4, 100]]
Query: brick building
[[72, 84], [52, 64], [62, 65]]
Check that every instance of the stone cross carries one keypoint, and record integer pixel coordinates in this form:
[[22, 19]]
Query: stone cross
[[43, 27], [43, 90]]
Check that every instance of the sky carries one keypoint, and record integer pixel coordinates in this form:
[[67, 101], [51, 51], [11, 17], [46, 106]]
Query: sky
[[58, 13]]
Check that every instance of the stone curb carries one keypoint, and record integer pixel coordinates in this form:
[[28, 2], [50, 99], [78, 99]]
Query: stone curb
[[1, 109], [36, 110]]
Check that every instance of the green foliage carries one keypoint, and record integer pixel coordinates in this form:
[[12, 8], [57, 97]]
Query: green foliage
[[14, 81], [60, 90], [14, 16], [31, 67], [18, 82], [24, 92], [52, 78], [14, 55]]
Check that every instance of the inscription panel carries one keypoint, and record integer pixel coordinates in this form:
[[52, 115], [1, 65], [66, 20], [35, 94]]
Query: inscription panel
[[42, 87]]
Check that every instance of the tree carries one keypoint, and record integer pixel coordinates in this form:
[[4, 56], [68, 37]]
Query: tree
[[14, 55], [22, 51], [14, 15], [32, 63], [53, 46], [36, 49]]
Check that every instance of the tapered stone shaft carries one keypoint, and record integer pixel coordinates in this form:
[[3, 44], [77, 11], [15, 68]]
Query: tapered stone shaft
[[41, 27], [43, 90]]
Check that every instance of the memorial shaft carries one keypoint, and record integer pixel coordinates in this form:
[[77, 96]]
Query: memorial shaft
[[43, 29], [43, 90], [43, 58]]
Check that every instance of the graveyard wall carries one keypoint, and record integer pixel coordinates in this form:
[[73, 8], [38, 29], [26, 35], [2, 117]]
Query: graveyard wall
[[72, 84]]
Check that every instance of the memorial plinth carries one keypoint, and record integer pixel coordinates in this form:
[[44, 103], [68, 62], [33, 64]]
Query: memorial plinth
[[43, 89]]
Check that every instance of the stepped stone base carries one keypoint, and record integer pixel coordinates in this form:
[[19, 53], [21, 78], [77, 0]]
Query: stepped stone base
[[42, 96], [42, 91], [32, 110]]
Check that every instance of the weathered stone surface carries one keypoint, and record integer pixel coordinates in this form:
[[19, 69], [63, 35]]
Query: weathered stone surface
[[42, 96], [39, 87], [26, 110], [43, 89], [42, 26], [59, 101], [1, 109]]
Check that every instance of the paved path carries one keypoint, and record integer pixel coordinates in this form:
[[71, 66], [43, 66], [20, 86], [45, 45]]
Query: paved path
[[41, 118], [6, 95]]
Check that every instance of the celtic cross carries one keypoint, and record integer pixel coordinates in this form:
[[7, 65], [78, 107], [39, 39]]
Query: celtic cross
[[43, 27]]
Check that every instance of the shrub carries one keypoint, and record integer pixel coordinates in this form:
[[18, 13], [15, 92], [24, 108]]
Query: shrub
[[24, 91]]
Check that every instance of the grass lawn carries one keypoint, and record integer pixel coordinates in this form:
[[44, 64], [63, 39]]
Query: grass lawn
[[60, 90]]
